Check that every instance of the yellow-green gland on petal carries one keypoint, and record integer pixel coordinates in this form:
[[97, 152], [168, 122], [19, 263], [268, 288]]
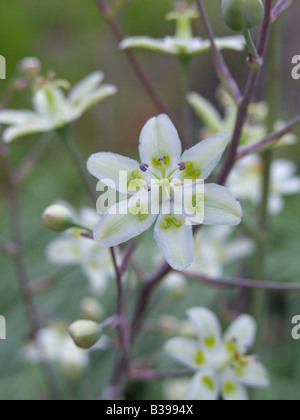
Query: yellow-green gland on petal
[[58, 218], [242, 15], [85, 334]]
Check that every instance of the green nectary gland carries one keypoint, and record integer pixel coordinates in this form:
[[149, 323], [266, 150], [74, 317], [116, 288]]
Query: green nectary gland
[[191, 172], [167, 221], [136, 175], [159, 164]]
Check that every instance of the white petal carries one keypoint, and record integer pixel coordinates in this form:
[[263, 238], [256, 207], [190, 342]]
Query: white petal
[[13, 133], [114, 229], [207, 326], [175, 242], [107, 167], [51, 103], [65, 251], [220, 206], [160, 138], [98, 278], [208, 114], [92, 99], [231, 43], [205, 155], [86, 86], [254, 374], [231, 389], [243, 332], [203, 387], [238, 249], [183, 351], [159, 45], [11, 117]]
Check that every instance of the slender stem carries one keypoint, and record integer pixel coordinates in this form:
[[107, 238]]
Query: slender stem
[[244, 283], [185, 71], [44, 284], [8, 248], [279, 8], [21, 272], [143, 77], [80, 165], [251, 45], [222, 69], [273, 100], [270, 139], [249, 91]]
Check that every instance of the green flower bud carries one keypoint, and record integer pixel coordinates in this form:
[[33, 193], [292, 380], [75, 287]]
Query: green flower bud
[[92, 310], [58, 218], [242, 15], [85, 334]]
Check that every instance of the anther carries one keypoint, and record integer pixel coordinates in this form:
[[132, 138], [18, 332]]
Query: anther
[[182, 166], [144, 167], [161, 158]]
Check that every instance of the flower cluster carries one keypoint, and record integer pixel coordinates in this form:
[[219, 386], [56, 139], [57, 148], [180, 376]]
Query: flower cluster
[[222, 365]]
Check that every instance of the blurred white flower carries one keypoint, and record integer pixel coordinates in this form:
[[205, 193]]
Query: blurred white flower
[[174, 389], [53, 109], [222, 365], [73, 249], [183, 43], [175, 283], [255, 128], [214, 249], [54, 345], [246, 178]]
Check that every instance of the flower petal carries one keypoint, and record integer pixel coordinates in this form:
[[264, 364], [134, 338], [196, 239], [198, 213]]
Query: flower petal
[[231, 389], [159, 45], [205, 156], [13, 133], [92, 99], [51, 102], [66, 251], [86, 86], [175, 240], [207, 326], [203, 387], [114, 229], [220, 206], [236, 43], [11, 117], [183, 351], [107, 167], [253, 374], [207, 113], [242, 331], [159, 138]]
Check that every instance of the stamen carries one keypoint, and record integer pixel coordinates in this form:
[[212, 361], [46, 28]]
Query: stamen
[[182, 166], [144, 167], [161, 158]]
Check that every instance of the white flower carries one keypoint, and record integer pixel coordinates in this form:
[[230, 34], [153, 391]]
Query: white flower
[[183, 43], [222, 365], [214, 248], [161, 157], [255, 128], [53, 344], [73, 249], [246, 181], [174, 389], [53, 109]]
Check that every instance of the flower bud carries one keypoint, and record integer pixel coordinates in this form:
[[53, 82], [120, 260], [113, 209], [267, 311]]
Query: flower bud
[[242, 15], [85, 334], [30, 66], [58, 218], [91, 309]]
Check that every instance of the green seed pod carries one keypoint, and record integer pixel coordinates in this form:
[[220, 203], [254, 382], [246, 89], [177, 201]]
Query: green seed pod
[[85, 334], [242, 15], [58, 218]]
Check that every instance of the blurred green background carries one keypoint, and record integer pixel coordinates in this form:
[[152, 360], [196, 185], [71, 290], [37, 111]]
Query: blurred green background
[[71, 38]]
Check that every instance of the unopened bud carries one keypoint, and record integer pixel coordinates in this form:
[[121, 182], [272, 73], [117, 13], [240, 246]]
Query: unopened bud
[[242, 15], [58, 218], [91, 309], [85, 334], [30, 66]]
